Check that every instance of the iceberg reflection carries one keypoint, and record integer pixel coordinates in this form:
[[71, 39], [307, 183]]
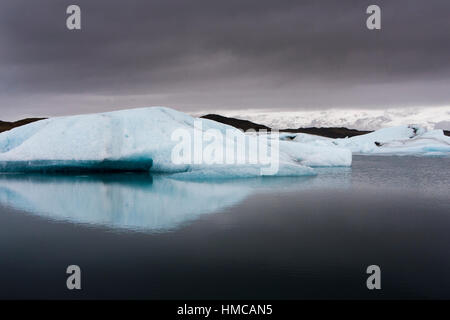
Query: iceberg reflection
[[132, 201]]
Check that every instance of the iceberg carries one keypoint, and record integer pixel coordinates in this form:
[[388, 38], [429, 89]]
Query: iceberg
[[142, 140], [400, 140]]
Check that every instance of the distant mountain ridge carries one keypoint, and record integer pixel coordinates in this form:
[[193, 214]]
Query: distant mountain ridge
[[5, 126], [237, 123], [334, 132]]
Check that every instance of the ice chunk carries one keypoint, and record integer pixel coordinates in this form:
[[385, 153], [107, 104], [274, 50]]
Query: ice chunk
[[401, 140]]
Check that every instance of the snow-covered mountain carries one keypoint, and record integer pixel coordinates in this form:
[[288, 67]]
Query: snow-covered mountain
[[429, 118]]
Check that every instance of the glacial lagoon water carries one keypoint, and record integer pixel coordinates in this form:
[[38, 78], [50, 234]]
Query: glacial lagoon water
[[150, 237]]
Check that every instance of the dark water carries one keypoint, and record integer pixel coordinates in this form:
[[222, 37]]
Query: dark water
[[138, 236]]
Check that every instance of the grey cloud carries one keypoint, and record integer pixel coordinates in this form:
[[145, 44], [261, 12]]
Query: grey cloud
[[210, 54]]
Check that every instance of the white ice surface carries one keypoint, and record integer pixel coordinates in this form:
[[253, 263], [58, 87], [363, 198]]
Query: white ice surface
[[400, 140]]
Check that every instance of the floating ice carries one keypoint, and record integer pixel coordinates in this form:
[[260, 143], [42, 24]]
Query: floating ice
[[401, 140], [141, 140]]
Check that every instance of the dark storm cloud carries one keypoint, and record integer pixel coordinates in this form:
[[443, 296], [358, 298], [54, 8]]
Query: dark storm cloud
[[207, 54]]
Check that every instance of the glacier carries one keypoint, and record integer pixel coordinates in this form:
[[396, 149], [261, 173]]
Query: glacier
[[399, 140], [429, 117], [140, 140]]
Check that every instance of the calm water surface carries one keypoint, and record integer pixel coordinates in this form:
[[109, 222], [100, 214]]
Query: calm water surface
[[150, 237]]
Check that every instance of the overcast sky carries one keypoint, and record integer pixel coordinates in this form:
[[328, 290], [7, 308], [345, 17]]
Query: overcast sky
[[228, 54]]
